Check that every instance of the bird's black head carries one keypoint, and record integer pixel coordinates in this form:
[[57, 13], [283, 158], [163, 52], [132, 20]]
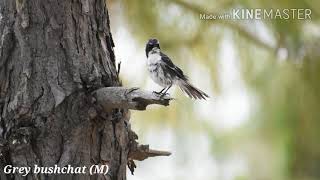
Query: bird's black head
[[151, 44]]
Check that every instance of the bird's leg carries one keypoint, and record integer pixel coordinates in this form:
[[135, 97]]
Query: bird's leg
[[165, 92], [160, 91]]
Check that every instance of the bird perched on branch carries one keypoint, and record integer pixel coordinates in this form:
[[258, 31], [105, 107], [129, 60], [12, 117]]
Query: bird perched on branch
[[165, 73]]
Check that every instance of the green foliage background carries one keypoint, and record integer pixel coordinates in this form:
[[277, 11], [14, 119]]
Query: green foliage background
[[280, 138]]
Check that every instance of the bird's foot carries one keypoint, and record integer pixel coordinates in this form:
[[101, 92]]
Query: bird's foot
[[164, 94], [157, 93], [160, 94]]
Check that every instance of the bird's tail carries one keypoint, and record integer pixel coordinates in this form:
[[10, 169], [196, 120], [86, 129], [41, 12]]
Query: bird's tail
[[191, 91]]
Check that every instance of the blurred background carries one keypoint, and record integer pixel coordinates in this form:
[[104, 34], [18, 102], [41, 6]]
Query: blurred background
[[262, 121]]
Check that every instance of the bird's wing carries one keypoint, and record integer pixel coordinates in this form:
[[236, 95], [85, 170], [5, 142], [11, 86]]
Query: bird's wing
[[172, 69]]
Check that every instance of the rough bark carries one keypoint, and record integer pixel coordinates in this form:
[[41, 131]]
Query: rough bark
[[53, 55]]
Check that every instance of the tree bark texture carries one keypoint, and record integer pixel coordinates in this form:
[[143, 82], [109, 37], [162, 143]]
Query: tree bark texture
[[53, 54]]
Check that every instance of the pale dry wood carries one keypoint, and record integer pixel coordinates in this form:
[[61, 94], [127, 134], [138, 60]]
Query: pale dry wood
[[143, 152], [128, 98]]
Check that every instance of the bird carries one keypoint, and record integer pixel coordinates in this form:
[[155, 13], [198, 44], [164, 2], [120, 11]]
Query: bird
[[166, 74]]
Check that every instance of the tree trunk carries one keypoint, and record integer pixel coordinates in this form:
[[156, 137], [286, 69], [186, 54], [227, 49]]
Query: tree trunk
[[53, 54]]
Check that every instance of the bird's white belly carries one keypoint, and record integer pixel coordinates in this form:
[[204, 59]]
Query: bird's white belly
[[158, 77], [156, 72]]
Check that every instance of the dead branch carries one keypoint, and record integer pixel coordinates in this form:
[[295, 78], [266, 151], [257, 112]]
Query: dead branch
[[127, 98], [143, 152]]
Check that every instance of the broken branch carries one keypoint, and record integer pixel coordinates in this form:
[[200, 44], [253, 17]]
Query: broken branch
[[143, 152], [132, 98]]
